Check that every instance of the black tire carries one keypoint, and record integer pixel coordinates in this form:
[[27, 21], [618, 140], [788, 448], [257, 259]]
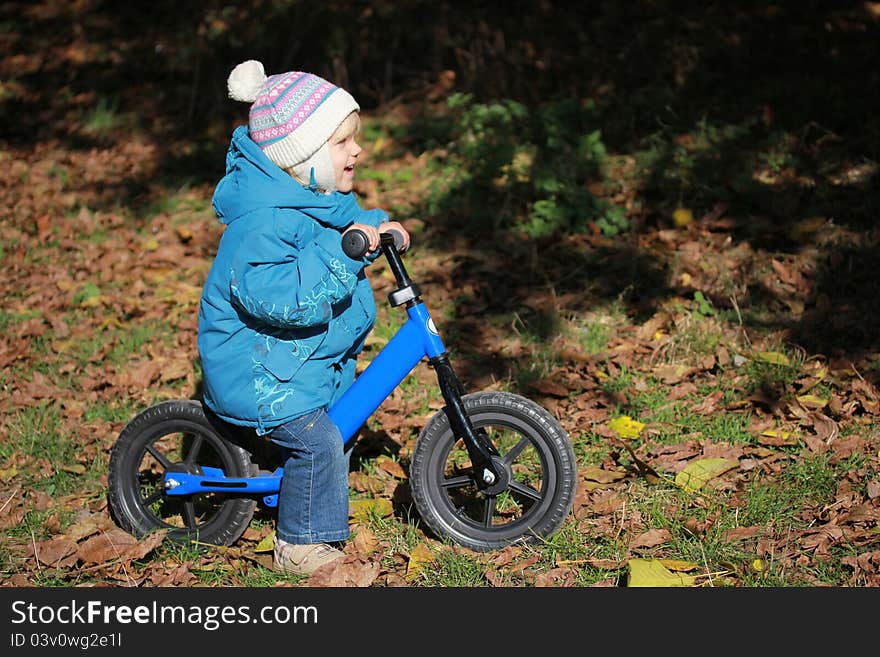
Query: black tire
[[537, 454], [176, 432]]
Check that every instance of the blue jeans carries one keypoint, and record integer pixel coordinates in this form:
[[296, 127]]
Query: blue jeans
[[313, 500]]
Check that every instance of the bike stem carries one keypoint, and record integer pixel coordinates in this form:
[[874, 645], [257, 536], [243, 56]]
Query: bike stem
[[480, 449]]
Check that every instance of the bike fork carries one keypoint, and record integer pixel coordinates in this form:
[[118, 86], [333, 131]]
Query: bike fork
[[479, 447]]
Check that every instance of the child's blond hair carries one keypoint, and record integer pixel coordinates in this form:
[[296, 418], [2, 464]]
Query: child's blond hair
[[351, 125]]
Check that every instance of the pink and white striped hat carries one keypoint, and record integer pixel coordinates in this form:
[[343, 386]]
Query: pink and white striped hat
[[292, 114]]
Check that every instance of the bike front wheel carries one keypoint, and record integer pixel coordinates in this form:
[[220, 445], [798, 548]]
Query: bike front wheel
[[538, 469], [177, 436]]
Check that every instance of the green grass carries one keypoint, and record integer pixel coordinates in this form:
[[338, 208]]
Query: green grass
[[103, 119], [36, 435], [452, 568], [773, 369]]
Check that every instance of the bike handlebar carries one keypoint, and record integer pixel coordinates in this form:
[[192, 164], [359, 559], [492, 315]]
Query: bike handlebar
[[355, 243]]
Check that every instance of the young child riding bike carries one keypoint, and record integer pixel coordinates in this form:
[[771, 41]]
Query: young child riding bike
[[284, 311]]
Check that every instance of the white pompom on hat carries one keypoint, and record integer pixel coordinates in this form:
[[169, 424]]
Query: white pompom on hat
[[292, 114], [245, 81]]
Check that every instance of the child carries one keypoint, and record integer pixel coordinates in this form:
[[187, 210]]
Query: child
[[284, 312]]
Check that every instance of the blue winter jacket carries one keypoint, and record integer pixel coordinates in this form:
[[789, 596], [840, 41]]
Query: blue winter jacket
[[284, 312]]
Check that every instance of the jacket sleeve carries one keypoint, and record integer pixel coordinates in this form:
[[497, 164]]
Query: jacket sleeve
[[338, 210], [293, 278], [350, 208]]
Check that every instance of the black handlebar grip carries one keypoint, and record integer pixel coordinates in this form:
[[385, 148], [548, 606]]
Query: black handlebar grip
[[355, 243]]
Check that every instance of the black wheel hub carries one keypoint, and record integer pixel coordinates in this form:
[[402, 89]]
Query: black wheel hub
[[501, 483]]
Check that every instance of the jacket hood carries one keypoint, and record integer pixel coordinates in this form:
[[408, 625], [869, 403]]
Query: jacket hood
[[253, 182]]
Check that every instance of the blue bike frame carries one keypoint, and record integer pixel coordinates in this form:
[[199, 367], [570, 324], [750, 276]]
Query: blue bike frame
[[416, 339]]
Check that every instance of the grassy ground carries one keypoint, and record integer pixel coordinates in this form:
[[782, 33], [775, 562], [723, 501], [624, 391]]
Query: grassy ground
[[694, 299]]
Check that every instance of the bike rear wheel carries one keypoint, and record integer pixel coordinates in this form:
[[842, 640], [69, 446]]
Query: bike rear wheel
[[539, 474], [177, 434]]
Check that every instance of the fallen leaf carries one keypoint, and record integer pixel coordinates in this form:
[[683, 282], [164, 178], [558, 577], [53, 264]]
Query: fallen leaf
[[391, 467], [773, 357], [812, 402], [679, 566], [105, 547], [82, 529], [651, 538], [778, 438], [625, 427], [672, 373], [652, 573], [419, 557], [350, 571], [365, 541], [174, 370], [695, 475], [600, 475], [362, 510], [266, 544], [146, 545], [682, 217], [52, 551], [550, 387], [557, 577]]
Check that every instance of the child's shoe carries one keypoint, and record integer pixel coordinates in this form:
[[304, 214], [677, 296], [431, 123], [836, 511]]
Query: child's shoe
[[296, 559]]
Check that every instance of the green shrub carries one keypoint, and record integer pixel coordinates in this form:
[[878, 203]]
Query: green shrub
[[527, 169]]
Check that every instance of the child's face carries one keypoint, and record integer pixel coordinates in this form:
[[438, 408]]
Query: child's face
[[344, 152]]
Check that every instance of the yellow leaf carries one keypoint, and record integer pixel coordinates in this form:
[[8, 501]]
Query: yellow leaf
[[679, 566], [7, 474], [682, 217], [777, 438], [625, 427], [758, 565], [361, 510], [812, 401], [151, 244], [76, 468], [697, 473], [652, 573], [773, 357], [420, 556], [686, 279], [773, 433], [267, 544]]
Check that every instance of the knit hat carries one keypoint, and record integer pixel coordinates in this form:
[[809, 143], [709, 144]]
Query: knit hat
[[292, 114]]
